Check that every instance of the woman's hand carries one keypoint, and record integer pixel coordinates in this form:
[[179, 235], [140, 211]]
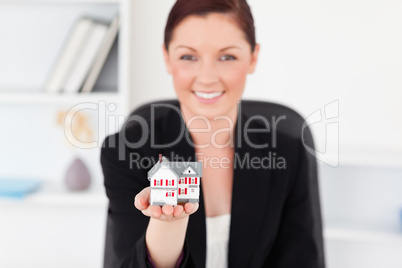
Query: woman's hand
[[165, 213]]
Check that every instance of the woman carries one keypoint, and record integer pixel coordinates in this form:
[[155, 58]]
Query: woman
[[258, 204]]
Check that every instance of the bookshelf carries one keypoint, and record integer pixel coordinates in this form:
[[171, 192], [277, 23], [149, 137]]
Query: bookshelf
[[34, 145], [34, 47]]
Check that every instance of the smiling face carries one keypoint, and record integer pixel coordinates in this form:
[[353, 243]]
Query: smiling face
[[209, 59]]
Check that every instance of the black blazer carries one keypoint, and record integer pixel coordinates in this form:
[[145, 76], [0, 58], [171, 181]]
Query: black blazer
[[287, 234]]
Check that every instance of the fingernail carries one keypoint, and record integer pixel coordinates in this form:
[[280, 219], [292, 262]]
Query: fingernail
[[191, 207]]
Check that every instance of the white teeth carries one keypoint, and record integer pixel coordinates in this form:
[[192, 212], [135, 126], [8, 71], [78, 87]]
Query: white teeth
[[208, 95]]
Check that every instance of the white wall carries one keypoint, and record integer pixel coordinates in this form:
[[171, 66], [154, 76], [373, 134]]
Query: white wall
[[312, 53], [150, 78]]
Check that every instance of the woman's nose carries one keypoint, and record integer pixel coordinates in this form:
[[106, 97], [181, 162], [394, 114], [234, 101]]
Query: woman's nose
[[207, 73]]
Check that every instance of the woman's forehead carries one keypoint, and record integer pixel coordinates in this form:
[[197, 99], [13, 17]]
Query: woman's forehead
[[210, 21], [215, 29]]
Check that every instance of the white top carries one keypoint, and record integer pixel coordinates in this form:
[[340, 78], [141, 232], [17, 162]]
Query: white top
[[217, 241]]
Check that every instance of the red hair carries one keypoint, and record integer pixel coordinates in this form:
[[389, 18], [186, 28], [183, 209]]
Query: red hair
[[238, 9]]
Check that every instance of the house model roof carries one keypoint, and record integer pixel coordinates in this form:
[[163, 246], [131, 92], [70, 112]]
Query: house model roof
[[177, 167]]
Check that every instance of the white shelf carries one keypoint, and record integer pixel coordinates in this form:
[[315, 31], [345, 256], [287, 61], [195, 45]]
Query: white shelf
[[366, 155], [45, 98], [56, 194], [362, 236], [372, 156], [350, 233]]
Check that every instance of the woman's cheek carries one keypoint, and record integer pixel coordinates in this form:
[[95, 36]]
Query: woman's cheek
[[182, 78], [236, 78], [184, 71]]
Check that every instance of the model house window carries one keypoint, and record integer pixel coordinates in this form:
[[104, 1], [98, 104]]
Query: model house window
[[192, 180], [192, 190]]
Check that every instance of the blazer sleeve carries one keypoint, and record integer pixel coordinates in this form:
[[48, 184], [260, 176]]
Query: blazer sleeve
[[299, 241], [125, 244], [125, 227]]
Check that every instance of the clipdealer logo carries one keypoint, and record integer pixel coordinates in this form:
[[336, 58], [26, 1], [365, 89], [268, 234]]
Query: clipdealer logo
[[326, 119], [322, 120], [270, 161]]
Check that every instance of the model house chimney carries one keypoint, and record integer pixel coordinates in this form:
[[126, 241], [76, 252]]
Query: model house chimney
[[160, 158]]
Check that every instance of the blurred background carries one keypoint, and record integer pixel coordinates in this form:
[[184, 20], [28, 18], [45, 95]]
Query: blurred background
[[338, 63]]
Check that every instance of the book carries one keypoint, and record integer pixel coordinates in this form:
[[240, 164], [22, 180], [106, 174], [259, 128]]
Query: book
[[102, 55], [68, 55], [86, 57]]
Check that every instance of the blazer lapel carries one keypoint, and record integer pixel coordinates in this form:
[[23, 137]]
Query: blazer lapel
[[250, 187]]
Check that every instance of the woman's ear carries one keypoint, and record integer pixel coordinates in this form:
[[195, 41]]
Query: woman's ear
[[166, 58], [254, 58]]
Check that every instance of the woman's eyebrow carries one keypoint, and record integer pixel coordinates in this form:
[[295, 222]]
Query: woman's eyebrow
[[223, 49]]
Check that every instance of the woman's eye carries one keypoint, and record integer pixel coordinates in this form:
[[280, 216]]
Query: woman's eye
[[223, 58], [228, 57], [187, 57]]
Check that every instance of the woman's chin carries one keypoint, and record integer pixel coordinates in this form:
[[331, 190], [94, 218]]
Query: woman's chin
[[209, 112]]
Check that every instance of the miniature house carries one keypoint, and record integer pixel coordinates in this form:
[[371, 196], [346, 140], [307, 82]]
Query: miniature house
[[174, 182]]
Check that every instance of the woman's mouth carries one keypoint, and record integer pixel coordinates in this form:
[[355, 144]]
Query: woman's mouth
[[208, 97]]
